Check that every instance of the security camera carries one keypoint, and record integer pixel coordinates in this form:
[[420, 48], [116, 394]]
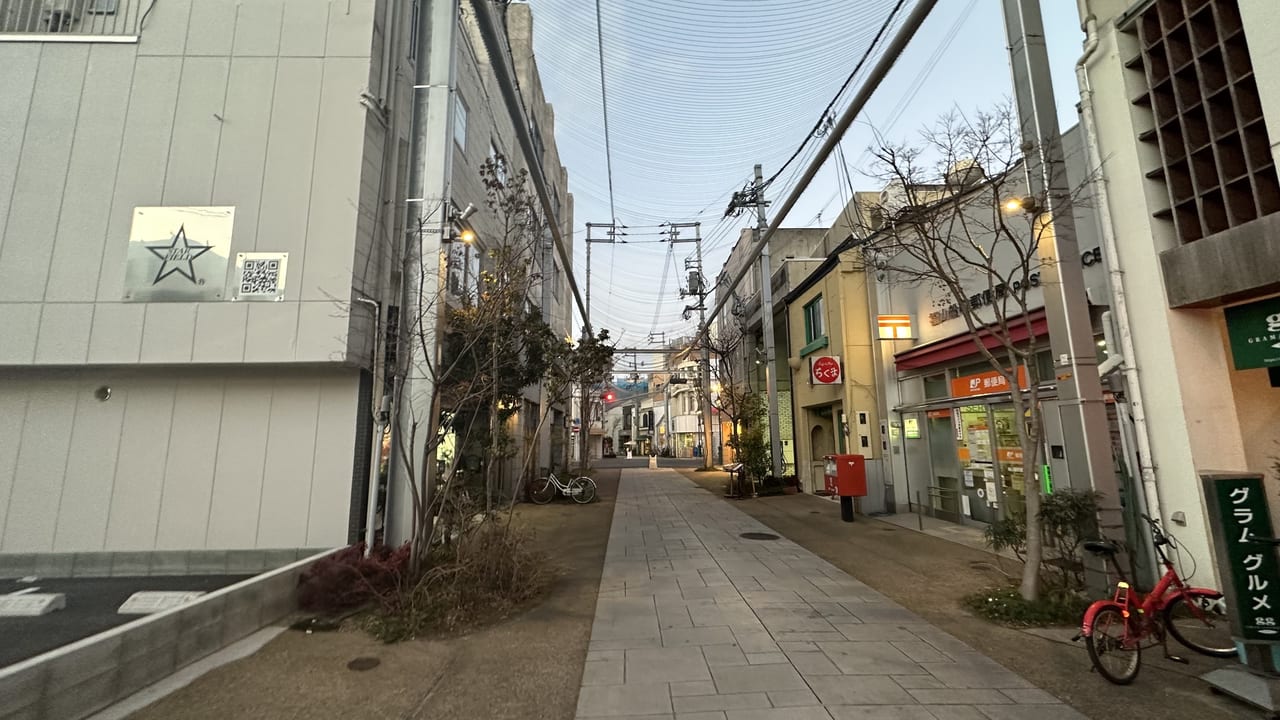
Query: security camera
[[466, 213]]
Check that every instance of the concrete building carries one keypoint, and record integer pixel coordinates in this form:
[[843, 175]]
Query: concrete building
[[743, 317], [949, 424], [1184, 103], [201, 209]]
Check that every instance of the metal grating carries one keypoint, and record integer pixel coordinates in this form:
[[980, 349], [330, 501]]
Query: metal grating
[[1205, 115]]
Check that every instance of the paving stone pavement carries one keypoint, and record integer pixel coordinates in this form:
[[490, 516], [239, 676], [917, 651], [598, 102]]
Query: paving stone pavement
[[695, 622]]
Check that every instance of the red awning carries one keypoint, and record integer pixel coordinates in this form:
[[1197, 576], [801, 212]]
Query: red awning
[[962, 345]]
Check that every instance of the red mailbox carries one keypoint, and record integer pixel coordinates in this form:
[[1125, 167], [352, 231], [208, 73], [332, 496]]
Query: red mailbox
[[846, 475]]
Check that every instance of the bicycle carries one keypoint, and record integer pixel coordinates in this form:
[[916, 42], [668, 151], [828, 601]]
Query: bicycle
[[1119, 628], [581, 489]]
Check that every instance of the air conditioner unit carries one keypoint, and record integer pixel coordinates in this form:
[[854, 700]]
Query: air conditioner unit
[[60, 14]]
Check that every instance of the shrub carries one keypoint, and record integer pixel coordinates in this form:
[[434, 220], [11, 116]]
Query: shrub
[[348, 580], [481, 576], [1005, 605]]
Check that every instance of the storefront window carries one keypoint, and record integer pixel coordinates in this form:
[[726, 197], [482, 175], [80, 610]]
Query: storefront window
[[935, 386]]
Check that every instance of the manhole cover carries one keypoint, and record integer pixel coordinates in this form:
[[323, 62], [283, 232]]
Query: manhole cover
[[759, 536], [361, 664]]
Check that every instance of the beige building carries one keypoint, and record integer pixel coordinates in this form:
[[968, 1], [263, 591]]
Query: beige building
[[201, 207], [1184, 99]]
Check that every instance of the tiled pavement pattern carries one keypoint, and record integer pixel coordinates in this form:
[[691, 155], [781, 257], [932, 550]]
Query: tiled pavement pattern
[[695, 622]]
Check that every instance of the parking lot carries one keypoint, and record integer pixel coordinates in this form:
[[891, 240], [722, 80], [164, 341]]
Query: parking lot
[[91, 608]]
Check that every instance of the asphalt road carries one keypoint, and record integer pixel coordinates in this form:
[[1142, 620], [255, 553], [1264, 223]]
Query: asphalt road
[[91, 608]]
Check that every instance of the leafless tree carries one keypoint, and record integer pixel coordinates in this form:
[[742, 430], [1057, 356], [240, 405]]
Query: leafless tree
[[956, 218], [470, 344]]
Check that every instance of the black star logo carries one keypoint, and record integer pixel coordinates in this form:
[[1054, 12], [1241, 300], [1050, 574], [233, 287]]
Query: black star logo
[[175, 254]]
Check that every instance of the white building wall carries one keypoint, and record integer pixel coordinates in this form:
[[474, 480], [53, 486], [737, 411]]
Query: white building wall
[[175, 459], [219, 104]]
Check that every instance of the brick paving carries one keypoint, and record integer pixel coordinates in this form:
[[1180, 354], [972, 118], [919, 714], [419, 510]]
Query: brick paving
[[695, 622]]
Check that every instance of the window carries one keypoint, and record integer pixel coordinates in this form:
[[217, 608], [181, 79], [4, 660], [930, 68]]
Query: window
[[460, 122], [813, 325], [1208, 144], [499, 163]]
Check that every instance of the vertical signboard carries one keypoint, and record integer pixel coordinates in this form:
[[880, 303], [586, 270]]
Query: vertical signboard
[[1238, 515], [1254, 331]]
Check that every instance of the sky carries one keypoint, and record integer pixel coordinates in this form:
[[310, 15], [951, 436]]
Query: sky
[[699, 91]]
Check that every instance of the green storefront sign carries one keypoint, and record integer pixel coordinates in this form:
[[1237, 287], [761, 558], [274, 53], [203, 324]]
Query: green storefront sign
[[1238, 513], [1254, 330]]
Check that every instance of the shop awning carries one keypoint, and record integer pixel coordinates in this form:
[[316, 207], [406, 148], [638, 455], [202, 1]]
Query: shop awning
[[960, 346]]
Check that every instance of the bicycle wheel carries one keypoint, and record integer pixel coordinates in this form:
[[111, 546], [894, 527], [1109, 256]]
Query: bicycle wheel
[[582, 490], [542, 491], [1115, 656], [1199, 621]]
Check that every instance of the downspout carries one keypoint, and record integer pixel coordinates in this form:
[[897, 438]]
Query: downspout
[[1111, 260]]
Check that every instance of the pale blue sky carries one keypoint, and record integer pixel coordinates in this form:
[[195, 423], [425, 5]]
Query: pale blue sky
[[700, 90]]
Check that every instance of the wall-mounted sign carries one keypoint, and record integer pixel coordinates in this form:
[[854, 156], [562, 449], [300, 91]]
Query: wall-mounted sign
[[825, 370], [911, 428], [894, 327], [260, 276], [987, 383], [1088, 258], [1254, 331], [178, 254]]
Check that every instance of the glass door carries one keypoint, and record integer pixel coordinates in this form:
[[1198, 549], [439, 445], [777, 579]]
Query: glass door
[[978, 482], [1008, 455]]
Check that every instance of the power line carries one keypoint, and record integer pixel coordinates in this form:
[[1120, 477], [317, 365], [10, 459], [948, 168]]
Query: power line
[[604, 106], [826, 112]]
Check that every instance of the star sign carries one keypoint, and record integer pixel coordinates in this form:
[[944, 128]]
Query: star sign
[[178, 252]]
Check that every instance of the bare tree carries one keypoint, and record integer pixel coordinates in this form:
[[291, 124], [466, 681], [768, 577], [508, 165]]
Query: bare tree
[[956, 218], [476, 344]]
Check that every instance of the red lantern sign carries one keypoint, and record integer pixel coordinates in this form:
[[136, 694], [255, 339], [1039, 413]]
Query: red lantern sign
[[825, 370]]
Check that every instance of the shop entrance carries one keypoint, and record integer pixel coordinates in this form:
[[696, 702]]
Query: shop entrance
[[977, 463]]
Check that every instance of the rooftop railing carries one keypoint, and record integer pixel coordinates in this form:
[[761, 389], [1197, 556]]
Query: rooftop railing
[[71, 20]]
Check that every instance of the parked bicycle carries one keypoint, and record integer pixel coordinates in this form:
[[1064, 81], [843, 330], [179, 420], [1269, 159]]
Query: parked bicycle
[[580, 489], [1117, 629]]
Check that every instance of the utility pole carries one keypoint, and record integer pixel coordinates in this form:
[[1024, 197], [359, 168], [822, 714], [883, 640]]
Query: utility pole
[[754, 196], [698, 288], [609, 235], [1085, 438], [428, 202]]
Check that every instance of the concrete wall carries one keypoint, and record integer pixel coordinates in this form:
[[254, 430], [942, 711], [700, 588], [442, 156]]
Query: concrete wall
[[175, 459], [78, 679], [253, 105]]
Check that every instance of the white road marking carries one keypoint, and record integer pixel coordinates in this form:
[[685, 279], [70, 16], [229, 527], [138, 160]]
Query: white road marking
[[23, 592]]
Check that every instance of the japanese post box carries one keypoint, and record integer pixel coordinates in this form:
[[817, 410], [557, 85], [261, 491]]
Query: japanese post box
[[845, 475]]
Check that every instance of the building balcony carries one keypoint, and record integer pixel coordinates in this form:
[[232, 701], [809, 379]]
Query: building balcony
[[71, 20]]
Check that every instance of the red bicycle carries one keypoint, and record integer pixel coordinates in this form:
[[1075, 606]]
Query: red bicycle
[[1116, 630]]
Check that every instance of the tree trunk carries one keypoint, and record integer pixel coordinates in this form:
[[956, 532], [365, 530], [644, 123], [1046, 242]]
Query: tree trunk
[[1028, 409], [491, 468], [584, 431]]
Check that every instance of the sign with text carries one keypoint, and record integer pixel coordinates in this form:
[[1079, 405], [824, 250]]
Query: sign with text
[[825, 370], [1239, 517], [1254, 331], [987, 383]]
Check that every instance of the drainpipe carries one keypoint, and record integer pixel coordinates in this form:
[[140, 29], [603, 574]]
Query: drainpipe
[[1115, 276]]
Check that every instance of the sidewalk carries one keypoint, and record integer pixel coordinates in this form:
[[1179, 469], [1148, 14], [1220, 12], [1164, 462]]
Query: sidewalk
[[696, 622]]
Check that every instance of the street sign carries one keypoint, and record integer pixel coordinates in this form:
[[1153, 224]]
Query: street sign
[[1254, 331], [1239, 517]]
